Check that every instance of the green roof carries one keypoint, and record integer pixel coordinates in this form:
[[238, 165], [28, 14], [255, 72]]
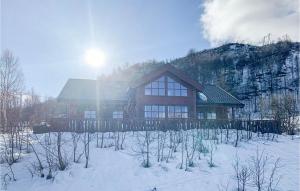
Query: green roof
[[218, 96]]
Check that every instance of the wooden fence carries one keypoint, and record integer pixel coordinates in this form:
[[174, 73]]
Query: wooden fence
[[72, 125]]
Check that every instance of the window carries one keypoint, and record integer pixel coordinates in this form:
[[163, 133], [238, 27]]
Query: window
[[118, 115], [211, 115], [202, 96], [90, 114], [154, 111], [175, 88], [200, 115], [177, 112], [156, 88]]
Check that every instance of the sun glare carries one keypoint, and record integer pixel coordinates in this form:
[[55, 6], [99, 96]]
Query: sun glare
[[95, 57]]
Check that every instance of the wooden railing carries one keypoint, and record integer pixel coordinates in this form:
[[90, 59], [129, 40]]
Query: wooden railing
[[103, 125]]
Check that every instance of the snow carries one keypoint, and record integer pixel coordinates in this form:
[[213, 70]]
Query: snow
[[111, 170]]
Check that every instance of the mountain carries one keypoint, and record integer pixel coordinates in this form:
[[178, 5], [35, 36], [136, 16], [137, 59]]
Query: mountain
[[251, 73]]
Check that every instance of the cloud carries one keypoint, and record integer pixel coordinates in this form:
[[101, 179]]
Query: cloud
[[250, 20]]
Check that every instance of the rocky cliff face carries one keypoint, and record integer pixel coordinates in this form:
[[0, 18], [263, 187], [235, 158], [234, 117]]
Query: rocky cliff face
[[251, 73]]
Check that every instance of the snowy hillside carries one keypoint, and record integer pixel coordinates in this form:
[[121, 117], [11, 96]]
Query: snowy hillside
[[111, 169]]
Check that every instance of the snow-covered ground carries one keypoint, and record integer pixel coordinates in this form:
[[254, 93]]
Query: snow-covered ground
[[121, 170]]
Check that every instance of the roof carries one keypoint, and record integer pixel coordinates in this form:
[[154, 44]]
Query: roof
[[78, 89], [113, 90], [216, 95], [86, 90], [163, 69]]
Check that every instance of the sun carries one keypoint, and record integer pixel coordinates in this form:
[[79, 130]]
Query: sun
[[95, 57]]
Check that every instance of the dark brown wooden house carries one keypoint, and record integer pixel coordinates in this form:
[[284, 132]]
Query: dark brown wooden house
[[165, 93]]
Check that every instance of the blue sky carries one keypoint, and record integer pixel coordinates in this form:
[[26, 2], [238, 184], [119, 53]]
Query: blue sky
[[50, 37]]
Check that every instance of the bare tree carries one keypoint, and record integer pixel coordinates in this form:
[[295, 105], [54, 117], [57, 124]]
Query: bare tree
[[11, 86], [32, 105], [285, 111], [290, 110]]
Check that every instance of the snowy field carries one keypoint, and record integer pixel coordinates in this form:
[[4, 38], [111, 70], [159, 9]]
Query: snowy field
[[122, 170]]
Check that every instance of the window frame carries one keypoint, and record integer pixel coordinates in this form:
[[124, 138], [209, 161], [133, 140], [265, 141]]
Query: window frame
[[178, 111], [175, 88], [117, 114], [154, 111], [211, 115], [156, 87], [200, 115], [90, 114]]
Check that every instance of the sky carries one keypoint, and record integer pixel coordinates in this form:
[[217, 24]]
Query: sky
[[50, 37]]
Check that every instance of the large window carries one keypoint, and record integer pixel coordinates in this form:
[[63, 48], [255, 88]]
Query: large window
[[200, 115], [175, 88], [118, 115], [211, 115], [177, 112], [90, 114], [155, 111], [156, 88]]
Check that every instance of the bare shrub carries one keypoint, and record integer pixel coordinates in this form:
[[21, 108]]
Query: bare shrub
[[211, 148], [274, 179], [161, 140], [75, 139], [86, 144], [242, 174], [144, 141], [39, 166], [190, 148], [201, 148], [8, 161], [259, 167]]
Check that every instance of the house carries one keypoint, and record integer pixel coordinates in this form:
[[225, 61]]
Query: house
[[164, 93]]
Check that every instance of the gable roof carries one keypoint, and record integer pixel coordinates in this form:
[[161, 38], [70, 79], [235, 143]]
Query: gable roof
[[113, 90], [163, 69], [86, 90], [217, 95], [78, 89]]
